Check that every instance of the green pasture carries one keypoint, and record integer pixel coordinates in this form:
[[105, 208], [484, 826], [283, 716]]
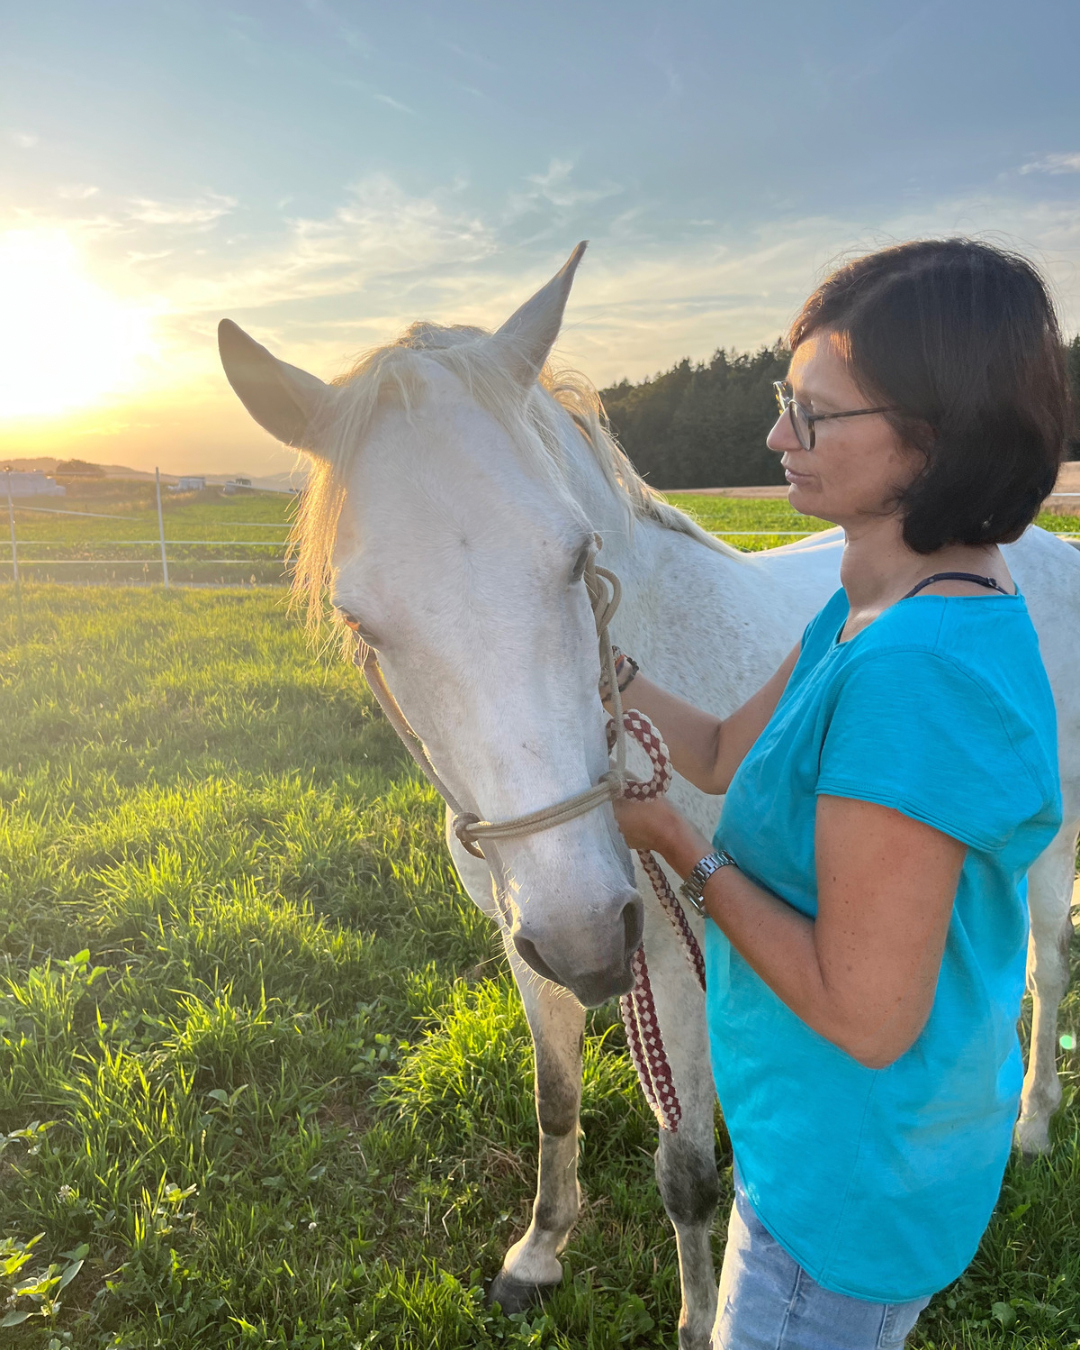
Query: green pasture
[[729, 515], [216, 540], [264, 1079], [209, 538]]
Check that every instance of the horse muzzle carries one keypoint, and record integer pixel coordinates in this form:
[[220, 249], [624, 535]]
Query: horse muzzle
[[594, 966]]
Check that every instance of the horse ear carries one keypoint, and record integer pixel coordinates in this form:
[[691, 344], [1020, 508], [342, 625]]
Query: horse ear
[[524, 341], [288, 402]]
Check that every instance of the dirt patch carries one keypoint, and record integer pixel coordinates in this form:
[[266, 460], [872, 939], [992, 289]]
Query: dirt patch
[[755, 493]]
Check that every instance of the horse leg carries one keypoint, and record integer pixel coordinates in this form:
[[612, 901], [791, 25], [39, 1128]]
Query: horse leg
[[689, 1188], [1050, 884], [557, 1022], [686, 1158]]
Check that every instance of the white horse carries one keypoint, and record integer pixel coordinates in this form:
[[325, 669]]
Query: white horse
[[455, 493]]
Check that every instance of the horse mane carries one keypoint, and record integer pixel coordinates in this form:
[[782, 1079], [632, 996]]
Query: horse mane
[[394, 372]]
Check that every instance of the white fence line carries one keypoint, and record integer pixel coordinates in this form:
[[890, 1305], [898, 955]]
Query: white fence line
[[56, 511], [20, 565], [14, 561]]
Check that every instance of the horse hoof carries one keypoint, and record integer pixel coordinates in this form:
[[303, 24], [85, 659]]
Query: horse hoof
[[514, 1296], [1032, 1136]]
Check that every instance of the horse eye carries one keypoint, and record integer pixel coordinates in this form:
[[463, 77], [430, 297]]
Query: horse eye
[[351, 621], [579, 565]]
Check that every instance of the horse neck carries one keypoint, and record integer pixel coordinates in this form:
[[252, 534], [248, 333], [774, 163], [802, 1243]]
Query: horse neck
[[709, 626]]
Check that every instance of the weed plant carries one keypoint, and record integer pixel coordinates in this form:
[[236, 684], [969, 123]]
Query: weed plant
[[264, 1079]]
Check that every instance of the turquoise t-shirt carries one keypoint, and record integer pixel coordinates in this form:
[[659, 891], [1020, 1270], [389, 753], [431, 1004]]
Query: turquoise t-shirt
[[880, 1182]]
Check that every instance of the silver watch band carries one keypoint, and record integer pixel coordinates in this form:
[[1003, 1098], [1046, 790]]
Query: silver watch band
[[694, 885]]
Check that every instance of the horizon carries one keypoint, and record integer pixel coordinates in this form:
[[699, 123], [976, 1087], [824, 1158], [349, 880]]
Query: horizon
[[326, 174]]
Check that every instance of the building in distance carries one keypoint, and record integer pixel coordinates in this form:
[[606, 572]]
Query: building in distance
[[32, 484]]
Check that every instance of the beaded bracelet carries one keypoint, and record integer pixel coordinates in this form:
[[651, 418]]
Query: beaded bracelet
[[622, 662]]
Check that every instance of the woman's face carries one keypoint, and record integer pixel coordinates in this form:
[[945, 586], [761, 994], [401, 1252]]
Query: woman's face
[[857, 463]]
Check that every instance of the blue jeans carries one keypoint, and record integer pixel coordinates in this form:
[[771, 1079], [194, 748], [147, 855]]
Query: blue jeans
[[768, 1302]]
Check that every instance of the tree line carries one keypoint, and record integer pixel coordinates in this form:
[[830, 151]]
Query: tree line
[[705, 425]]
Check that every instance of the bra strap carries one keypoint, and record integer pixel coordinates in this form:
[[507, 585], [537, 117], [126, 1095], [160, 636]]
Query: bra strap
[[988, 582]]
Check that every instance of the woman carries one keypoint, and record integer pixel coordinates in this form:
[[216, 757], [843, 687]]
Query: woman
[[887, 790]]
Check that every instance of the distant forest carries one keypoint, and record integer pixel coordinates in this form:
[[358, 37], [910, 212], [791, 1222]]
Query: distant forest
[[705, 425]]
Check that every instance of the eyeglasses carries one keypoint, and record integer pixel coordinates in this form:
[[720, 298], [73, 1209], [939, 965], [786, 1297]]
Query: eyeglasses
[[803, 422]]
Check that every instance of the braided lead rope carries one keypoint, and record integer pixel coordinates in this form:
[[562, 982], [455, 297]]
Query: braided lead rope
[[638, 1007], [637, 725], [647, 1047], [468, 827]]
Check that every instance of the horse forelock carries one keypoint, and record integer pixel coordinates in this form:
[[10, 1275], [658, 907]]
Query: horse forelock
[[399, 373]]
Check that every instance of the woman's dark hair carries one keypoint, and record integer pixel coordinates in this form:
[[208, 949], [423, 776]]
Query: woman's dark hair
[[961, 339]]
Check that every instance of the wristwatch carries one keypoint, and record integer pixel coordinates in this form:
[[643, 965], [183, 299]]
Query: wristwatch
[[694, 885]]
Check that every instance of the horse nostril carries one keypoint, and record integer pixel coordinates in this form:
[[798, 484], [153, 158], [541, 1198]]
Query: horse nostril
[[633, 917], [526, 949]]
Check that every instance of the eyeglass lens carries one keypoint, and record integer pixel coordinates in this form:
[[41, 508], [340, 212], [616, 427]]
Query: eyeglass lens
[[801, 425], [798, 417]]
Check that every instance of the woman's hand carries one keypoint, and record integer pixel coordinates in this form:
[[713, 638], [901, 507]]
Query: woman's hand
[[644, 825], [656, 827]]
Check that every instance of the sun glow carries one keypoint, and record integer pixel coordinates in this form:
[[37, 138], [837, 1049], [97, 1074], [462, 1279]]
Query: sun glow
[[65, 343]]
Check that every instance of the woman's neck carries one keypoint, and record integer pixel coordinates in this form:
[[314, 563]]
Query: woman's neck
[[878, 568]]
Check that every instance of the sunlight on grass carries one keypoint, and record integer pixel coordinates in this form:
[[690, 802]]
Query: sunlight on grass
[[261, 1061]]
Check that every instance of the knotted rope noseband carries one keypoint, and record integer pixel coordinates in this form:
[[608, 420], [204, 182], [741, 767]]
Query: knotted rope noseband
[[638, 1007]]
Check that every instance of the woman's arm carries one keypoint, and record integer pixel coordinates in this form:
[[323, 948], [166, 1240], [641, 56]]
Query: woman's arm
[[707, 750], [863, 973]]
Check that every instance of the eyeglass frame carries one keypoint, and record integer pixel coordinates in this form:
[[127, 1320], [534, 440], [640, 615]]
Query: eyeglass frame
[[788, 403]]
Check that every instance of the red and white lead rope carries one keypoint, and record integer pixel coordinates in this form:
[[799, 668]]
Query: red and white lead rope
[[638, 1007]]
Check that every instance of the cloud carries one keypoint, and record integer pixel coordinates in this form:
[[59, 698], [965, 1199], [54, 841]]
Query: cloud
[[76, 192], [1054, 164], [25, 140], [203, 211], [379, 236], [320, 289], [641, 307], [393, 103], [353, 38], [467, 54], [554, 187]]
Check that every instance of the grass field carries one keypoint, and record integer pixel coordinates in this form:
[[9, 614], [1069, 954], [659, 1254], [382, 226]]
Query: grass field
[[118, 543], [264, 1080], [732, 514]]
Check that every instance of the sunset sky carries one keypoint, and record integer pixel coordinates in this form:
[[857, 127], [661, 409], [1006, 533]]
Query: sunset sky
[[325, 173]]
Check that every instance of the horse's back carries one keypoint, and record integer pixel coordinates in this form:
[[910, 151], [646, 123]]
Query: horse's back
[[1047, 572]]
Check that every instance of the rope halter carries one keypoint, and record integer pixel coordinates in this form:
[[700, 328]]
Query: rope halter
[[470, 829]]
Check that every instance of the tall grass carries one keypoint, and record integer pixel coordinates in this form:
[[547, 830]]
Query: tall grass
[[264, 1079]]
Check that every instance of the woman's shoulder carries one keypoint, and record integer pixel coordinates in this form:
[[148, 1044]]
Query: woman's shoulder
[[990, 638], [974, 661]]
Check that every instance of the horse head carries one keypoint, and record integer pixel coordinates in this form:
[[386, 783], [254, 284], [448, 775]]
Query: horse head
[[441, 518]]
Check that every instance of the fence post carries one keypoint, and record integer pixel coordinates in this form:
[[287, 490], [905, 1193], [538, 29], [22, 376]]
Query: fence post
[[14, 551], [161, 529]]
